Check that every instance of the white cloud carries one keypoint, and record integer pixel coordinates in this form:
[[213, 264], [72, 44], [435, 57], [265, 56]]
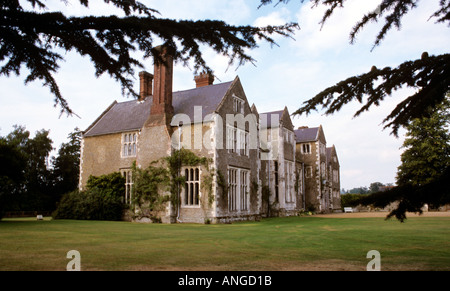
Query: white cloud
[[231, 11], [275, 18], [285, 76]]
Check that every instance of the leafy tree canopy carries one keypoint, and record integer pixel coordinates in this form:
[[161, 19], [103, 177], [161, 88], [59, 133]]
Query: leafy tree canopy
[[427, 147], [35, 38]]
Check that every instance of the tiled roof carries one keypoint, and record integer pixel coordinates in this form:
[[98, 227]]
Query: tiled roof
[[306, 134], [131, 115]]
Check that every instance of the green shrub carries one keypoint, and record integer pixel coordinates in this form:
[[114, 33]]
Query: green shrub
[[91, 204], [101, 201], [350, 200], [111, 185]]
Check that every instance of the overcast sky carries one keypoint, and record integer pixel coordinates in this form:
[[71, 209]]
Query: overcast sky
[[287, 75]]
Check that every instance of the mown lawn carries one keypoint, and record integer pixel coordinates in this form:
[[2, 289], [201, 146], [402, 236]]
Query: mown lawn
[[295, 243]]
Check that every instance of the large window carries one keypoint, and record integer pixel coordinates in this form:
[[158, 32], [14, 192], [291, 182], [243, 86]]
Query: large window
[[129, 144], [232, 189], [244, 189], [237, 141], [127, 174], [238, 189], [191, 195]]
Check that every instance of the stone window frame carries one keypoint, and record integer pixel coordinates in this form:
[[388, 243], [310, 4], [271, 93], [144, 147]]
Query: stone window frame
[[238, 104], [191, 195], [306, 148], [238, 189], [129, 144], [237, 141]]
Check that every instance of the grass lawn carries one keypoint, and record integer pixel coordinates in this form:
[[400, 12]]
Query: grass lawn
[[294, 243]]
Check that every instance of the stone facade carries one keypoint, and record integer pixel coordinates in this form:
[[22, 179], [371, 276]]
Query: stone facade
[[257, 166], [321, 170], [278, 162]]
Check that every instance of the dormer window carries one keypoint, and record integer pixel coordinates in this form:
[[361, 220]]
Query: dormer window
[[129, 144]]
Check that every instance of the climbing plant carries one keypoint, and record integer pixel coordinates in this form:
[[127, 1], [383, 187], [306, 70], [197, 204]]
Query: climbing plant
[[164, 175]]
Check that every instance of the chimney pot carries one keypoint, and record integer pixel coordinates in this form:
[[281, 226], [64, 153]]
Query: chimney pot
[[204, 79], [303, 127], [146, 84]]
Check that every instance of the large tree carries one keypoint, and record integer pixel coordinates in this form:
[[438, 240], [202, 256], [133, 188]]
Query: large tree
[[37, 39], [28, 186], [423, 176], [427, 147], [66, 165], [428, 75]]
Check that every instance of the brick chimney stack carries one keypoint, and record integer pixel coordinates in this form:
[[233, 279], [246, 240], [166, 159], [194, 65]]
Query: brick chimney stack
[[204, 79], [146, 84], [163, 82]]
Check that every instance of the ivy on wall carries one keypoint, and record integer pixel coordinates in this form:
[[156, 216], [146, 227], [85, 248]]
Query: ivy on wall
[[164, 176]]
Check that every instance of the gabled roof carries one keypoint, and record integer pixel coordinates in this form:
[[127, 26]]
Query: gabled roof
[[131, 115], [331, 151], [306, 134], [282, 116], [268, 117]]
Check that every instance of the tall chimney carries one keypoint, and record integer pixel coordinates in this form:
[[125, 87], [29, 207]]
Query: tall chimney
[[204, 79], [163, 80], [146, 80]]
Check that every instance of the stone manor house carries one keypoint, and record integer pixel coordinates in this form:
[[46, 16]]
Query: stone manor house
[[269, 167]]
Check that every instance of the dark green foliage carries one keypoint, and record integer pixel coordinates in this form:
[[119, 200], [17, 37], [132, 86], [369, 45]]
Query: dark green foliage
[[165, 176], [112, 185], [350, 200], [34, 38], [427, 147], [102, 200], [12, 165], [147, 186], [28, 186], [66, 166], [412, 198], [26, 181], [424, 175], [92, 204]]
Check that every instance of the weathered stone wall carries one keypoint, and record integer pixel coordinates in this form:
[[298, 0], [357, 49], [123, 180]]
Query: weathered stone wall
[[223, 159], [101, 155], [311, 167]]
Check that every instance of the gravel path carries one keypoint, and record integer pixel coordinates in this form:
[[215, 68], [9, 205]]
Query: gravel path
[[383, 214]]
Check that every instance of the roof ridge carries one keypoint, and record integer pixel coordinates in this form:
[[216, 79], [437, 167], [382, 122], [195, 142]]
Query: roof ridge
[[204, 87]]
